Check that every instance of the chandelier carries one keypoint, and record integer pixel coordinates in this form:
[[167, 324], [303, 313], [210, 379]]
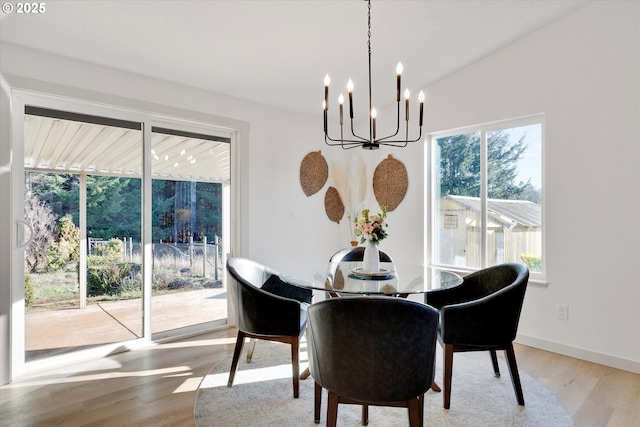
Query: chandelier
[[372, 142]]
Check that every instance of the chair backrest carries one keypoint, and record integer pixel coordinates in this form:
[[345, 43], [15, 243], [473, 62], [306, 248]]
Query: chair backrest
[[250, 271], [355, 254], [372, 349], [492, 279], [258, 311], [485, 308]]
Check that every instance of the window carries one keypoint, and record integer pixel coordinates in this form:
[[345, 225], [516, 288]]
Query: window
[[486, 187]]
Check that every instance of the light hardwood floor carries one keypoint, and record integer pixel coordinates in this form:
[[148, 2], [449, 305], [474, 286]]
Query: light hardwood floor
[[156, 386]]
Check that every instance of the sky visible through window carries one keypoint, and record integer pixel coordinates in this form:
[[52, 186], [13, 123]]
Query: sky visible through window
[[529, 164]]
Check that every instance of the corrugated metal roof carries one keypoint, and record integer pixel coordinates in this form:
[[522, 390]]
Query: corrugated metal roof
[[69, 146], [509, 212]]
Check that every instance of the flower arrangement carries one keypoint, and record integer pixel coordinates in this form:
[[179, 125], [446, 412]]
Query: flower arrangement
[[370, 226]]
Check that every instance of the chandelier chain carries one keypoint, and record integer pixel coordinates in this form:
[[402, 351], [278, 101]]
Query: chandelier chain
[[369, 28]]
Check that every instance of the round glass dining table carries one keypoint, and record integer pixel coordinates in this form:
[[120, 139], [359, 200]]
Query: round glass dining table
[[393, 279]]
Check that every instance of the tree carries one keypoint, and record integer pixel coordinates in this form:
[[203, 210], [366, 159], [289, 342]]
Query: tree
[[503, 156], [179, 213], [460, 167], [114, 207], [209, 205], [43, 222], [59, 191], [179, 208]]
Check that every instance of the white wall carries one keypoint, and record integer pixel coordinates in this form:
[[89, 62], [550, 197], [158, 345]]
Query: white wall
[[276, 142], [583, 72]]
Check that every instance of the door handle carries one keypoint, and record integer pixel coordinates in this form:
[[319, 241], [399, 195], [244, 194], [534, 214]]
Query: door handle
[[21, 225]]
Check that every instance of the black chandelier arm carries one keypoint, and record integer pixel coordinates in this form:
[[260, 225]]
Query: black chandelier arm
[[346, 144], [399, 143], [341, 141], [361, 140]]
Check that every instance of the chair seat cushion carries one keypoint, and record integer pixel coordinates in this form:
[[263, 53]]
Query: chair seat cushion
[[275, 285]]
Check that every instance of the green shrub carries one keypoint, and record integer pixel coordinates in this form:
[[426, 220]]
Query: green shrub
[[110, 251], [55, 259], [533, 262], [29, 292], [65, 249], [162, 279], [112, 279]]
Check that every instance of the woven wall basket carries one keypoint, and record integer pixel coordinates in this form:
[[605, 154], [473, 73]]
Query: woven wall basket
[[390, 182], [314, 172], [333, 205]]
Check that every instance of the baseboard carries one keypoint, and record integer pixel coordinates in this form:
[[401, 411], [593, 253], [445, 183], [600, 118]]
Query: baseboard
[[581, 353]]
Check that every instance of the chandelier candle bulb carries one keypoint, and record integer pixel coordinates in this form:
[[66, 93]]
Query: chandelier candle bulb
[[341, 102]]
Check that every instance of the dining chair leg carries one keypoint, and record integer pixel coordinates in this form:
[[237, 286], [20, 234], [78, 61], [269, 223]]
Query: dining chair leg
[[513, 370], [448, 370], [332, 409], [494, 360], [317, 402], [236, 356], [365, 415], [295, 366], [252, 347], [415, 415]]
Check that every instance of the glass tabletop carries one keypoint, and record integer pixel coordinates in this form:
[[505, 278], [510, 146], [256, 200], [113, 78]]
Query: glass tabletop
[[393, 279]]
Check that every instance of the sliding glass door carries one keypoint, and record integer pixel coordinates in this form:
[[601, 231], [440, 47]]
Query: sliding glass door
[[125, 217], [190, 174], [83, 199]]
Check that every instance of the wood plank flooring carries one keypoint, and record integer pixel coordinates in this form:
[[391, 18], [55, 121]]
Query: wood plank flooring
[[157, 386]]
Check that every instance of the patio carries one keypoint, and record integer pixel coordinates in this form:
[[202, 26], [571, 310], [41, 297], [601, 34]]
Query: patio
[[54, 332]]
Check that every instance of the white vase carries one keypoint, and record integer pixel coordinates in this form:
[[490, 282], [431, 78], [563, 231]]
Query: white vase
[[371, 257]]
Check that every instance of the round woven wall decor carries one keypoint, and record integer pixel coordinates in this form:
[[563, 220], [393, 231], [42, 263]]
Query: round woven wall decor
[[390, 182], [314, 172], [333, 205]]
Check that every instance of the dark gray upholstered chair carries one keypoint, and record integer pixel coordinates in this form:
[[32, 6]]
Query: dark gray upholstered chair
[[267, 309], [355, 254], [372, 351], [482, 314]]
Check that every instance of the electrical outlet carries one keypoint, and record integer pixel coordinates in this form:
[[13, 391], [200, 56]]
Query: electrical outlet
[[562, 312]]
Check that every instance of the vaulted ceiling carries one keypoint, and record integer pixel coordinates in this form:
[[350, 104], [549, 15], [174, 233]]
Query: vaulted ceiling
[[278, 52], [271, 52]]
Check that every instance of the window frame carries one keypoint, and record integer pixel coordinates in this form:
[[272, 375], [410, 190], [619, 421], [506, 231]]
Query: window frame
[[537, 278]]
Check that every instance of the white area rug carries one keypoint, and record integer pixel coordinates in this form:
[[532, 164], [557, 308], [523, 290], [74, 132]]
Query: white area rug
[[262, 395]]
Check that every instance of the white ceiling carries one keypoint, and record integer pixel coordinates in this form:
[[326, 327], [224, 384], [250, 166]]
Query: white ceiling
[[277, 52]]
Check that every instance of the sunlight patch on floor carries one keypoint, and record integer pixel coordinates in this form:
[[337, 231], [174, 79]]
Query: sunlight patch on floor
[[248, 376], [189, 385]]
